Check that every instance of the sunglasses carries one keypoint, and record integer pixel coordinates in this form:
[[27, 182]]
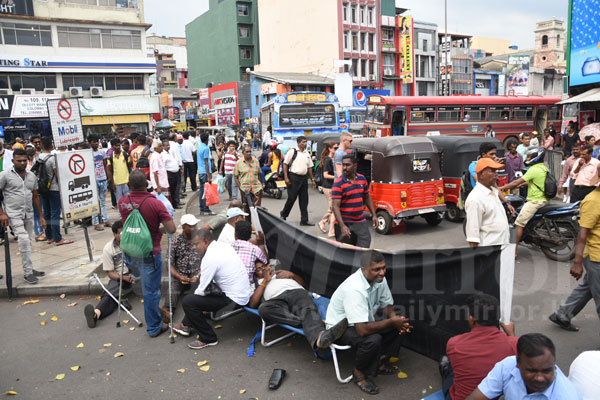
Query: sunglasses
[[335, 148]]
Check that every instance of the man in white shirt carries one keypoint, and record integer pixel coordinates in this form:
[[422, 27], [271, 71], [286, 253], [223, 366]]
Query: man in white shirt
[[234, 215], [189, 161], [487, 224], [584, 374], [221, 264], [173, 173], [297, 165], [158, 172]]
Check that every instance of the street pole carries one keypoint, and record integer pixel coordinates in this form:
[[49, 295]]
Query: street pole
[[87, 240], [9, 287], [446, 51]]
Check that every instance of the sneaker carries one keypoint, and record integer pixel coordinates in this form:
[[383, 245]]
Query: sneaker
[[31, 279], [182, 329], [38, 273], [199, 344], [329, 336], [90, 316], [163, 328]]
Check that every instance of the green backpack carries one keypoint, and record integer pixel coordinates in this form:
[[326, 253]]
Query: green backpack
[[136, 240]]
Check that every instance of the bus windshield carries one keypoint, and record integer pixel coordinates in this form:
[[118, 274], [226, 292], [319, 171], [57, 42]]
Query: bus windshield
[[376, 114], [297, 115]]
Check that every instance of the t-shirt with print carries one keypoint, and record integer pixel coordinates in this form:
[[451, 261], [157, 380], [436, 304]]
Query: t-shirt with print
[[186, 259], [99, 157]]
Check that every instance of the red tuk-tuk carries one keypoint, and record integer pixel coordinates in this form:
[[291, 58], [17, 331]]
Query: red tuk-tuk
[[404, 177]]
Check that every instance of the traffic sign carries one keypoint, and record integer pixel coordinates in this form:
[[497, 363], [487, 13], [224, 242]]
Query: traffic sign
[[65, 120], [76, 164], [77, 184]]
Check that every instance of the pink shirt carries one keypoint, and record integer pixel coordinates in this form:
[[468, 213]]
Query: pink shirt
[[158, 165], [588, 173], [567, 167], [548, 143]]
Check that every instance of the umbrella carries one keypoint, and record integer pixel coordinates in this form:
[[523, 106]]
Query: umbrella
[[590, 130], [164, 124]]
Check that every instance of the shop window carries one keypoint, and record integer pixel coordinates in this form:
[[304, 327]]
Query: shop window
[[124, 82], [98, 38]]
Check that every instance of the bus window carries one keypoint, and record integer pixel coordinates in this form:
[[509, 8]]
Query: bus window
[[422, 114], [449, 113], [499, 113], [376, 114], [523, 113], [474, 113], [554, 113], [342, 115], [307, 115]]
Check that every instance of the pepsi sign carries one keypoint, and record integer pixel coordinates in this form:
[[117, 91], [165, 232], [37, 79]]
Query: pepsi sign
[[361, 95]]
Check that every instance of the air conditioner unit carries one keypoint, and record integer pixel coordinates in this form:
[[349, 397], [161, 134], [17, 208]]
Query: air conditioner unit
[[96, 91], [372, 77], [6, 91], [51, 91], [76, 91], [388, 71], [27, 91]]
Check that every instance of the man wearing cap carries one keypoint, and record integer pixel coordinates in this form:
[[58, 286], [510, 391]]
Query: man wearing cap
[[185, 265], [234, 215], [486, 219]]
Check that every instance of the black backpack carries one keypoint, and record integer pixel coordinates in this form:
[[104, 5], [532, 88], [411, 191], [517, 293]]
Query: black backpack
[[126, 156], [143, 163], [550, 187], [318, 175], [43, 178], [465, 188]]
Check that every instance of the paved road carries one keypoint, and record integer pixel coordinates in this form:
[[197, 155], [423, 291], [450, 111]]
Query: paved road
[[34, 354]]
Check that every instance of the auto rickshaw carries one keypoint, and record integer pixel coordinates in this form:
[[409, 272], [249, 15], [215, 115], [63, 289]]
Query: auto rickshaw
[[457, 153], [404, 176]]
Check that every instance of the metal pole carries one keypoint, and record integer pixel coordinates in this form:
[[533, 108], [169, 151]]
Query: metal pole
[[9, 287], [446, 51], [87, 240]]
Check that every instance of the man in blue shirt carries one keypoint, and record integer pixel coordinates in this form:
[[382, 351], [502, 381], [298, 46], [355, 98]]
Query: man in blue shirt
[[204, 171], [532, 374]]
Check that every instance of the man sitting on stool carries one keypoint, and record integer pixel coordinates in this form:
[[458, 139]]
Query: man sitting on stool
[[358, 298]]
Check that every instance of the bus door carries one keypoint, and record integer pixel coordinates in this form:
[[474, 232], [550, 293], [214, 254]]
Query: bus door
[[541, 118], [398, 122]]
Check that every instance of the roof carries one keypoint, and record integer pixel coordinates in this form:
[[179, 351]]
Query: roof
[[464, 100], [182, 93], [590, 95], [462, 144], [294, 78], [390, 146]]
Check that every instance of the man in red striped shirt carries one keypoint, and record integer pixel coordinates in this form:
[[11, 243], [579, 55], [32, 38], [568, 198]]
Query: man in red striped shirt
[[350, 193]]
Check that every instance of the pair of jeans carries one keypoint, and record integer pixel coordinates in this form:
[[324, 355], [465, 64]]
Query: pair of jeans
[[121, 190], [51, 208], [195, 306], [231, 186], [102, 189], [37, 224], [23, 230], [189, 170], [151, 270], [298, 188], [203, 179], [113, 198], [265, 171]]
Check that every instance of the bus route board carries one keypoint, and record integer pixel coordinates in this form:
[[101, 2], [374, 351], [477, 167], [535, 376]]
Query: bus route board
[[77, 184]]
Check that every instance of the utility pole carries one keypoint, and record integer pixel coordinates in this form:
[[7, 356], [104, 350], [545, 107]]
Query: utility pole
[[447, 43]]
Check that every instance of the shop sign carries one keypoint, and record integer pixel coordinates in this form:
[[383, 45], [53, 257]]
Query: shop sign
[[116, 119], [6, 103], [65, 121], [31, 106], [268, 88], [125, 105], [16, 7]]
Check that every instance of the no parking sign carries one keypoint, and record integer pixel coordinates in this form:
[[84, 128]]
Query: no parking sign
[[77, 182], [65, 121]]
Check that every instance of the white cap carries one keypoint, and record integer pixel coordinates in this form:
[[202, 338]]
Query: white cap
[[235, 212], [189, 219]]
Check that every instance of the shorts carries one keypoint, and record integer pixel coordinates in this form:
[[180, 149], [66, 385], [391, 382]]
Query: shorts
[[528, 211]]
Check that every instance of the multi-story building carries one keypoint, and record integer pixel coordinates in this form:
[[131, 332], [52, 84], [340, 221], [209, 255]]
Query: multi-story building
[[455, 64], [94, 51], [425, 48], [170, 54], [223, 43]]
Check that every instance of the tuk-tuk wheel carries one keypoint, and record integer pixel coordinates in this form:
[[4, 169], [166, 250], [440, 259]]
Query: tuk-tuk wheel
[[384, 222], [453, 213], [433, 219]]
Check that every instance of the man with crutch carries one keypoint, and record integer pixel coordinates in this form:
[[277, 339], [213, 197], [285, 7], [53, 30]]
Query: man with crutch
[[120, 282]]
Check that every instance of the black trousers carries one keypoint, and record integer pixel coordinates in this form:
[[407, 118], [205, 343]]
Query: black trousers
[[359, 234], [298, 188], [107, 305], [370, 349], [579, 192], [189, 171], [174, 183], [195, 306], [296, 308]]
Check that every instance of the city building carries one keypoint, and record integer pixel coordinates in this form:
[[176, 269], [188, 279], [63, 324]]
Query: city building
[[223, 43], [180, 105], [426, 63], [170, 54], [550, 44], [455, 64], [485, 47], [95, 52]]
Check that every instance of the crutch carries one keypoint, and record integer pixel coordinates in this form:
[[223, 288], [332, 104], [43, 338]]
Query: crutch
[[171, 337], [113, 297], [120, 291]]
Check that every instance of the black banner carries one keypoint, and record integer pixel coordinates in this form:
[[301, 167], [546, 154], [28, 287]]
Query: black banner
[[6, 103], [430, 287], [16, 7]]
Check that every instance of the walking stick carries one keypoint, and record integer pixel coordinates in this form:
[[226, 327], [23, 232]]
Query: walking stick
[[120, 291], [113, 297], [171, 337]]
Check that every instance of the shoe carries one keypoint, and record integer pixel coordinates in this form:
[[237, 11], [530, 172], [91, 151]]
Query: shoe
[[166, 315], [178, 207], [564, 324], [183, 195], [182, 329], [99, 227], [90, 316], [107, 224], [306, 223], [199, 344], [444, 367], [126, 304], [276, 378], [329, 336], [282, 217], [163, 328], [38, 273], [31, 279], [208, 213]]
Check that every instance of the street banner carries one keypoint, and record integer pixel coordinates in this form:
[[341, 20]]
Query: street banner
[[518, 76], [31, 106], [405, 36], [77, 184], [430, 287], [65, 120]]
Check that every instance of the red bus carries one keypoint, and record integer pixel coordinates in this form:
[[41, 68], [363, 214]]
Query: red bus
[[461, 115]]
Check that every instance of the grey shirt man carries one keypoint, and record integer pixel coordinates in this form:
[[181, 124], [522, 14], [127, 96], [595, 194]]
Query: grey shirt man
[[18, 193]]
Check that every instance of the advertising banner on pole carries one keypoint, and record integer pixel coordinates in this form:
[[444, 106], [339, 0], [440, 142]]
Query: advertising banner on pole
[[518, 76], [583, 53], [405, 35], [77, 184], [65, 121]]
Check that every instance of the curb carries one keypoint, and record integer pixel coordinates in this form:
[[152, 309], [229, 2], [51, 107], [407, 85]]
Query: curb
[[191, 199]]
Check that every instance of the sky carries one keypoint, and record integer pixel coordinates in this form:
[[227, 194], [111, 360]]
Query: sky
[[507, 19]]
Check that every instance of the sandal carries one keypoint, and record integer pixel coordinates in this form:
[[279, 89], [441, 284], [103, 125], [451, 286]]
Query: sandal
[[99, 228], [566, 325], [41, 237], [50, 241], [386, 369], [368, 386], [63, 241]]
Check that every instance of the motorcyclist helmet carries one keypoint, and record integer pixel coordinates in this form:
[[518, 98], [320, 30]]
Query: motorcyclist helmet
[[273, 144], [534, 155]]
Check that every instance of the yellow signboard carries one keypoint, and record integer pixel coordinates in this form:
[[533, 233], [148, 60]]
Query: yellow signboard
[[305, 97], [405, 34], [116, 119], [180, 126]]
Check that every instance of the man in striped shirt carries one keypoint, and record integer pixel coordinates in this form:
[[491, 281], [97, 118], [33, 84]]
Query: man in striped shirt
[[350, 193], [228, 167]]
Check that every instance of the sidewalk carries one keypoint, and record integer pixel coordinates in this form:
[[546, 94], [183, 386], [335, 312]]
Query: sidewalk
[[68, 267]]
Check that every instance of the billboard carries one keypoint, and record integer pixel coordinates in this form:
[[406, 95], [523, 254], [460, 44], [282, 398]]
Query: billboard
[[405, 46], [360, 96], [583, 58], [517, 78]]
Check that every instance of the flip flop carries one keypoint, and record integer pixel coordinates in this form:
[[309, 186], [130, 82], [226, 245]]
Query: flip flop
[[566, 325], [63, 241], [368, 387], [386, 369], [41, 237]]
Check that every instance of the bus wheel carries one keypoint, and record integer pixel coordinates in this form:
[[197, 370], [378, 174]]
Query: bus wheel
[[433, 219], [384, 223], [453, 213]]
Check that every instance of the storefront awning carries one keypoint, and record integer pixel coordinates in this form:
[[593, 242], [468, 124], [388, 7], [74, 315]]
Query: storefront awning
[[590, 95]]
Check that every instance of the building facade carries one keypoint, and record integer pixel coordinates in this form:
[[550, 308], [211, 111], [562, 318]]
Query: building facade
[[54, 48], [455, 73], [425, 59], [223, 43], [170, 54]]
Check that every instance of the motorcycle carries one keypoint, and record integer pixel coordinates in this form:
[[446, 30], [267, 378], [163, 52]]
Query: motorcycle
[[274, 185], [553, 228]]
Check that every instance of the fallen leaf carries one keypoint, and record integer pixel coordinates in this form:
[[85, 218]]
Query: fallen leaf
[[83, 265], [72, 304], [242, 391], [98, 297], [42, 314], [132, 328], [218, 397], [54, 318], [62, 296], [394, 360], [11, 393], [430, 387], [119, 354], [102, 351], [125, 321], [80, 345], [201, 363], [142, 300], [181, 371], [43, 323], [107, 344], [108, 374], [205, 368], [75, 368], [402, 375], [60, 377], [218, 326], [31, 302], [150, 381]]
